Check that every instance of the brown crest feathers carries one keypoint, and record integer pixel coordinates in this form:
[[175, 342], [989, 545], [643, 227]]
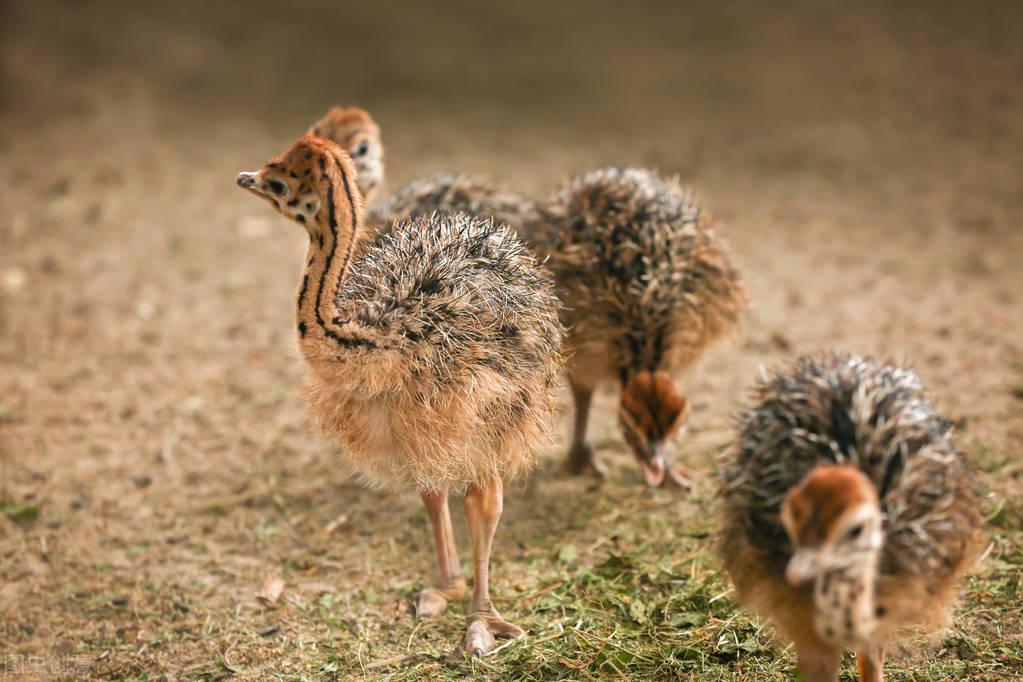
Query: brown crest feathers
[[823, 497], [656, 404]]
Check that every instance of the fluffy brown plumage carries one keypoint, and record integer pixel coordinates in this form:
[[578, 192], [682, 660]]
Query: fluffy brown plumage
[[647, 285], [824, 443], [433, 354], [453, 311]]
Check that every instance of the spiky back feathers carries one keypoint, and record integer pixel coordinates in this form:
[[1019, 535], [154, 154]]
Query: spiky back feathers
[[454, 293], [640, 265], [875, 416]]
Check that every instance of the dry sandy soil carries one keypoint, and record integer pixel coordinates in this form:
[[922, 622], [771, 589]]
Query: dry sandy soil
[[156, 465]]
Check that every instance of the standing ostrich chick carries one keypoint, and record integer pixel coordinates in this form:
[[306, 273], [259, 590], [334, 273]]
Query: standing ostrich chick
[[432, 356], [848, 511], [647, 286]]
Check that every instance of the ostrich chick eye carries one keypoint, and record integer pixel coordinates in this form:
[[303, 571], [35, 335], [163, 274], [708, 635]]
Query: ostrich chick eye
[[276, 186], [854, 532], [361, 149]]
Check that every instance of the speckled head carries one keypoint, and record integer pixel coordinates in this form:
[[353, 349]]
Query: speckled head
[[653, 412], [312, 183], [833, 519], [358, 134]]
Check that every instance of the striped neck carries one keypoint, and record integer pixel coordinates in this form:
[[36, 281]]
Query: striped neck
[[332, 238]]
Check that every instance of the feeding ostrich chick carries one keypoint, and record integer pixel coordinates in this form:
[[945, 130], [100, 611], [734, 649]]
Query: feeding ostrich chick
[[647, 286], [849, 513]]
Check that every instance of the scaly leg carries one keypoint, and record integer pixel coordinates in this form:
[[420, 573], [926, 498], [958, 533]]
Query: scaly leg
[[450, 583], [581, 458], [483, 506], [871, 664]]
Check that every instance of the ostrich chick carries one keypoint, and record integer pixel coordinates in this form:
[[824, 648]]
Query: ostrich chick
[[848, 511], [646, 285], [358, 134], [432, 356]]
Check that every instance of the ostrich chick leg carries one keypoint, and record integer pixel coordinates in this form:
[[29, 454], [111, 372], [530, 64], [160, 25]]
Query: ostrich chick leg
[[483, 506], [818, 664], [450, 583], [581, 458], [870, 661]]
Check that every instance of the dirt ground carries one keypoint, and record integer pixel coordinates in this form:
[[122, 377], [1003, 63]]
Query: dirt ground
[[157, 469]]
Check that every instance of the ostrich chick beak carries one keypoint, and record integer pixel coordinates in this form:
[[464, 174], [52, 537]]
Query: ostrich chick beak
[[654, 470], [247, 180], [660, 470], [804, 565]]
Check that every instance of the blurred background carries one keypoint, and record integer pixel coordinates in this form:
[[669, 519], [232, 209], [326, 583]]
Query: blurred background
[[155, 463]]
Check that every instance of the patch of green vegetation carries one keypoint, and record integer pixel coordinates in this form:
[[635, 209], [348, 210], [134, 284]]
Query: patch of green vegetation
[[20, 512], [662, 610]]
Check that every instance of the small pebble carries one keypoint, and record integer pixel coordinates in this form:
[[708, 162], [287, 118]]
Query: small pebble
[[192, 403], [13, 279], [145, 310]]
